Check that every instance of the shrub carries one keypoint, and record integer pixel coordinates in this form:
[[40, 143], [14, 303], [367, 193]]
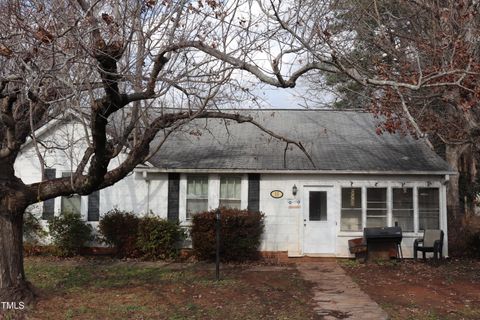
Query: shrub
[[159, 238], [119, 229], [240, 234], [473, 243], [69, 233], [33, 231]]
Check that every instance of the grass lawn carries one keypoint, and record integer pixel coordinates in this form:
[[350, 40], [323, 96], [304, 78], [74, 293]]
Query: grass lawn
[[84, 288], [421, 291]]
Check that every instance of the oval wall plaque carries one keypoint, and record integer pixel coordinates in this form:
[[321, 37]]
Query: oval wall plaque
[[277, 194]]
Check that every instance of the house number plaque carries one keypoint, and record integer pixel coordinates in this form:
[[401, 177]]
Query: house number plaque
[[277, 194]]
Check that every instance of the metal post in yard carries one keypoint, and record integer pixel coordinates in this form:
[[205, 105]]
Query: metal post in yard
[[217, 234]]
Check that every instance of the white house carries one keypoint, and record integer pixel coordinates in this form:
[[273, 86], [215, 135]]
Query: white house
[[360, 179]]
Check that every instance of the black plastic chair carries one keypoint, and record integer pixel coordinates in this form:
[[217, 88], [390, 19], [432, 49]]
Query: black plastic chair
[[432, 242]]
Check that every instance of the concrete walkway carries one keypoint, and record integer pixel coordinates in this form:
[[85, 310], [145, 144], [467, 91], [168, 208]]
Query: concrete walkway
[[336, 295]]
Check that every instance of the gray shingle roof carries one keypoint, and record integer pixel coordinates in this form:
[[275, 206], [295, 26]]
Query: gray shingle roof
[[336, 140]]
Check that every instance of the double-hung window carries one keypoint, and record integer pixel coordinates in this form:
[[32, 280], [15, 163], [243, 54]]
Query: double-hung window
[[197, 194], [230, 191], [351, 214], [402, 210], [428, 208], [376, 207], [72, 203]]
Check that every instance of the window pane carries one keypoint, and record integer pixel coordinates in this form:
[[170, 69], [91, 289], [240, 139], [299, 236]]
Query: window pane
[[230, 187], [352, 198], [428, 208], [376, 207], [230, 192], [195, 206], [71, 204], [351, 213], [318, 206], [374, 222], [351, 220], [197, 186], [223, 189], [197, 194], [377, 198], [402, 210], [234, 204]]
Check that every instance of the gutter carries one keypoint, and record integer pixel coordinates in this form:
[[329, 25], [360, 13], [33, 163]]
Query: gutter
[[334, 172]]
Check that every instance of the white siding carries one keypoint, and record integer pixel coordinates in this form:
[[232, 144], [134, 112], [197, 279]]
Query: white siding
[[284, 226], [128, 194], [142, 192]]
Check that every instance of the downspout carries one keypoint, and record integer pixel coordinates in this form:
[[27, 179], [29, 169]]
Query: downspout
[[147, 180]]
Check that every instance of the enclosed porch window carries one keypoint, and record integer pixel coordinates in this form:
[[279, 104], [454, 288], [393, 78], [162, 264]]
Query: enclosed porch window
[[402, 210], [390, 206], [428, 208], [351, 209], [376, 207]]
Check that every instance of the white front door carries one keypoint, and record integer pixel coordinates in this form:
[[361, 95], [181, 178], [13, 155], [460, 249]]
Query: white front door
[[319, 223]]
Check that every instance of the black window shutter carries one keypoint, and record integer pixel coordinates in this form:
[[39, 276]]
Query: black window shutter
[[48, 205], [253, 192], [94, 206], [173, 196]]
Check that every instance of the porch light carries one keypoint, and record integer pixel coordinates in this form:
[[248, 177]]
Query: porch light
[[294, 190]]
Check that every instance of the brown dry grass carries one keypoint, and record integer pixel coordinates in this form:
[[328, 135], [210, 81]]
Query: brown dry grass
[[110, 289]]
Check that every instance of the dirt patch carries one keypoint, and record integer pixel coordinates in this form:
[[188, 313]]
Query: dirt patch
[[418, 290], [112, 289]]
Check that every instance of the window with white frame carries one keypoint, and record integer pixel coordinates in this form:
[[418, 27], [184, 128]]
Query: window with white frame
[[376, 207], [230, 191], [402, 209], [351, 213], [428, 208], [197, 194], [72, 203]]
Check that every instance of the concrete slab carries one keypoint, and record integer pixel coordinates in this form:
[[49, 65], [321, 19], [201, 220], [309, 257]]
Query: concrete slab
[[336, 296]]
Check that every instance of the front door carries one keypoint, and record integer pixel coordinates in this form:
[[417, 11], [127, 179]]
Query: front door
[[319, 223]]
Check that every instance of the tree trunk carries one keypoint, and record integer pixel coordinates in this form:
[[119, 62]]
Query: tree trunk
[[453, 153], [13, 285]]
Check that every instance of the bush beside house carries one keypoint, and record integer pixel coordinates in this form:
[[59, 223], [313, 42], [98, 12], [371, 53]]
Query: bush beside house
[[149, 237], [241, 232], [152, 237], [119, 229], [69, 233], [158, 238]]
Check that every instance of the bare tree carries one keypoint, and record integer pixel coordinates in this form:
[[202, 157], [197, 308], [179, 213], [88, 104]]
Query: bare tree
[[415, 63], [116, 66]]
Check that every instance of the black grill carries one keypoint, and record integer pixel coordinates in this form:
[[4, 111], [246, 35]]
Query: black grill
[[393, 234], [387, 235]]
